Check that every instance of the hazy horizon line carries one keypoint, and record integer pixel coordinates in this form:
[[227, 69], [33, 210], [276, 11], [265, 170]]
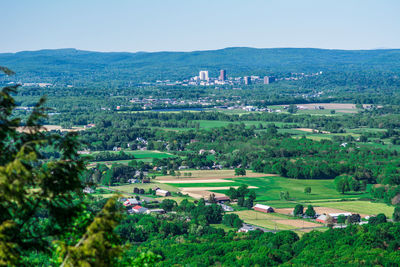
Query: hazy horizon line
[[197, 50]]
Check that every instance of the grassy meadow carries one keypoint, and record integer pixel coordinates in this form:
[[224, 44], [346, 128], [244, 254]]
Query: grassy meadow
[[269, 188]]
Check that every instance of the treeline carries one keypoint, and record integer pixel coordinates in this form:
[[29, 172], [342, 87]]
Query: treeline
[[110, 156], [117, 174], [178, 243]]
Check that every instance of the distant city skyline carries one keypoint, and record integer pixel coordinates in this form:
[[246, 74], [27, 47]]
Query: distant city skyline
[[157, 25]]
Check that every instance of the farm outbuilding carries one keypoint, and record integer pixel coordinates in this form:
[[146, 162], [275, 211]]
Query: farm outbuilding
[[263, 208], [222, 199], [321, 218], [162, 193]]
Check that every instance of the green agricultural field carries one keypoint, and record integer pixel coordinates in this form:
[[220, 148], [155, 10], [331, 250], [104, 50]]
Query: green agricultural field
[[139, 154], [151, 154], [317, 112], [363, 207], [270, 187], [365, 130], [293, 131], [315, 136]]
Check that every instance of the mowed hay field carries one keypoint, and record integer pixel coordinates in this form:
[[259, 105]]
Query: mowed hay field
[[273, 220], [361, 207], [202, 183]]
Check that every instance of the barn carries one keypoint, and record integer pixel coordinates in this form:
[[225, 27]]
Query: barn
[[263, 208]]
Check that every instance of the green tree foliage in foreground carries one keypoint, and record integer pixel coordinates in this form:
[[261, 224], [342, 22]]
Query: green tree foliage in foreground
[[41, 199], [98, 246], [36, 196]]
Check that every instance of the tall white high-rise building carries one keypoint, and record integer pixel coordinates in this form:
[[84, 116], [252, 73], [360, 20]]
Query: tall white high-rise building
[[203, 74]]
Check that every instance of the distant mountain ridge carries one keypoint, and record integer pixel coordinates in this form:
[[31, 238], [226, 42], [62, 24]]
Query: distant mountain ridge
[[72, 64]]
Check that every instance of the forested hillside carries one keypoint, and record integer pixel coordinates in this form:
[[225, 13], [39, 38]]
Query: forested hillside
[[65, 65]]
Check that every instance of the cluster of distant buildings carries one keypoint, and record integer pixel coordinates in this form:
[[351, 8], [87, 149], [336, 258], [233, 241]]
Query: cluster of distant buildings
[[204, 79]]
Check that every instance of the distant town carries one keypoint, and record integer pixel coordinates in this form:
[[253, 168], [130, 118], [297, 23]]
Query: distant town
[[204, 79]]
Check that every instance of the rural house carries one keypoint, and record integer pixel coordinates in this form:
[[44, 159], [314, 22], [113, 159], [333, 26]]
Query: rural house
[[138, 209], [131, 202]]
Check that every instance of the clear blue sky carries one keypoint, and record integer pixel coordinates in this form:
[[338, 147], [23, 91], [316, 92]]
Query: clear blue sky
[[171, 25]]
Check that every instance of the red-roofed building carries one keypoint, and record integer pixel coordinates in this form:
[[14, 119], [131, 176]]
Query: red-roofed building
[[139, 209]]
